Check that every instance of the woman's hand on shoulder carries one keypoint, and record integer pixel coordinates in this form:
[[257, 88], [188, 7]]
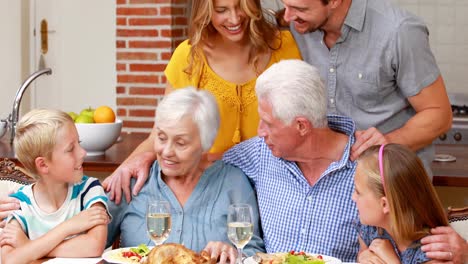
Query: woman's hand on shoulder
[[222, 252], [120, 181]]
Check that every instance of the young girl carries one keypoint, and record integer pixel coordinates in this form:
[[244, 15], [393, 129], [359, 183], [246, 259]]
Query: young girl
[[64, 213], [397, 205]]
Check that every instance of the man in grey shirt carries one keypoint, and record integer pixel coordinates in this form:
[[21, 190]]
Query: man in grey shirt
[[379, 70], [376, 61]]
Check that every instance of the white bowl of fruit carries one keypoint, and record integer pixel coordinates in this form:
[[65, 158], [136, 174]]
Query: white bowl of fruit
[[98, 129]]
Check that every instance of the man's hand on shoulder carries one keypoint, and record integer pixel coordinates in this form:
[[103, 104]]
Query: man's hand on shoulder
[[366, 139], [137, 167], [445, 245]]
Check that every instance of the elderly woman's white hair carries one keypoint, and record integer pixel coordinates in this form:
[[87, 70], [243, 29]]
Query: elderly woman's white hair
[[200, 105], [294, 88]]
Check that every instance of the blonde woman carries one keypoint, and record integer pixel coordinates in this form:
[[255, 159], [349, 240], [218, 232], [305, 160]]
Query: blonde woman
[[230, 43]]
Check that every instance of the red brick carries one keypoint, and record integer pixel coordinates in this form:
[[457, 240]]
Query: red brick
[[121, 112], [120, 44], [121, 66], [149, 44], [147, 67], [151, 1], [121, 2], [146, 91], [120, 90], [149, 21], [138, 124], [181, 21], [172, 32], [174, 11], [125, 78], [130, 11], [121, 21], [121, 101], [141, 112], [166, 55], [136, 56], [137, 33]]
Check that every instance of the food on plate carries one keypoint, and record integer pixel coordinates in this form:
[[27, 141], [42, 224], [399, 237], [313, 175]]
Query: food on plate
[[291, 257], [176, 254], [130, 255]]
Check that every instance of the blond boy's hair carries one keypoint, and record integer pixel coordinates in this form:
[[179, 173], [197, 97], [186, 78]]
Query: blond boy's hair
[[36, 136]]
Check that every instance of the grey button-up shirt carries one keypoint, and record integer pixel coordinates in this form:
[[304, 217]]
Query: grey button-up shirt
[[382, 58]]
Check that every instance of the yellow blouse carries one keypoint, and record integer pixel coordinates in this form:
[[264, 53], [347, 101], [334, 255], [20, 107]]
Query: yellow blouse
[[237, 102]]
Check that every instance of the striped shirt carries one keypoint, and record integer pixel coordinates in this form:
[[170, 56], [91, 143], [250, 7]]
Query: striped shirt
[[295, 215], [36, 222]]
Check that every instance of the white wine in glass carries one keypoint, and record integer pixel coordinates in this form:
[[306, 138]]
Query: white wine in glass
[[240, 226], [158, 221]]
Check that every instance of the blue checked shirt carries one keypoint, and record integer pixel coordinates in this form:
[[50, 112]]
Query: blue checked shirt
[[295, 215]]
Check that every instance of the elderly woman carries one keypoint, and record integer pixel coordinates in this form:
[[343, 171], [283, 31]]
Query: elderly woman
[[200, 193]]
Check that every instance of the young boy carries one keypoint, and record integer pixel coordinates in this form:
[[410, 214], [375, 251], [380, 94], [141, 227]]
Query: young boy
[[63, 213]]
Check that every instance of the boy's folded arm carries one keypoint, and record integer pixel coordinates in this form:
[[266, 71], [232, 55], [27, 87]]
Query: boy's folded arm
[[33, 249], [53, 243], [89, 244]]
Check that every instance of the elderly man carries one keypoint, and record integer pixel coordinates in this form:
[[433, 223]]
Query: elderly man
[[300, 165]]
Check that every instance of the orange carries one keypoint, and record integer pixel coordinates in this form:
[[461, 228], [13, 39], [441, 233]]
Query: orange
[[104, 114]]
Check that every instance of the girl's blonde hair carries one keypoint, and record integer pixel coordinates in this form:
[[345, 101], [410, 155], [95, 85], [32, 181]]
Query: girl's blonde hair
[[36, 136], [413, 201], [263, 35]]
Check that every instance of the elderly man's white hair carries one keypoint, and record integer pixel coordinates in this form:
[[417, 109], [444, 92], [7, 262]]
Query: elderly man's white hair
[[294, 88], [200, 105]]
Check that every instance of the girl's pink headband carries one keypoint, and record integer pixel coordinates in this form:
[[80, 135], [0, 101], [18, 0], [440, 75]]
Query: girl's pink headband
[[381, 167]]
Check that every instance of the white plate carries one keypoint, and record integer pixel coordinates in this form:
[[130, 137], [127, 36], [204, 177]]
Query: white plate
[[328, 259], [108, 256], [444, 158]]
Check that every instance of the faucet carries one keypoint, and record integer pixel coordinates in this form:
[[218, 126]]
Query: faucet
[[13, 117]]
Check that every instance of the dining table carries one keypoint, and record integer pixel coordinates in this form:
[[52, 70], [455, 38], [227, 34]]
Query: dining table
[[70, 261], [87, 261]]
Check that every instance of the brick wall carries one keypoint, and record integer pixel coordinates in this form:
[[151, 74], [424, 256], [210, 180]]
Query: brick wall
[[147, 31]]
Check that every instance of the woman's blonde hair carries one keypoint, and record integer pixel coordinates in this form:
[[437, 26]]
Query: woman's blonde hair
[[263, 35], [413, 201], [36, 136]]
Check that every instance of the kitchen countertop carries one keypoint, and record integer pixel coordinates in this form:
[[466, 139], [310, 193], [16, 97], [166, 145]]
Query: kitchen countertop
[[453, 173], [108, 162], [445, 173]]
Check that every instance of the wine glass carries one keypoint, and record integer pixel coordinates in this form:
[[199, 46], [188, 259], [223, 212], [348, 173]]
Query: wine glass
[[240, 226], [158, 221]]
